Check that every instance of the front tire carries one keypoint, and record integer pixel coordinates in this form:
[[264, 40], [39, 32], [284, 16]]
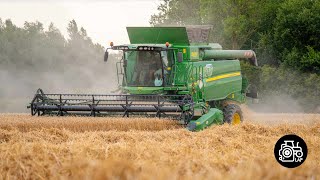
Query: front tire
[[232, 114]]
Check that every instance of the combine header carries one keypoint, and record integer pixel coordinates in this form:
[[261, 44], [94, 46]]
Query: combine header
[[166, 72], [101, 105]]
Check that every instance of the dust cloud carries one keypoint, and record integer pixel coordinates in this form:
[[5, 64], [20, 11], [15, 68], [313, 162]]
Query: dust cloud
[[280, 103], [18, 86]]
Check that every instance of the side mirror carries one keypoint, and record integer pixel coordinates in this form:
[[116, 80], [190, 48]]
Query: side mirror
[[180, 57], [106, 55]]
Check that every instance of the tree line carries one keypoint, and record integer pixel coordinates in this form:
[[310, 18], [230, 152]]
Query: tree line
[[34, 56], [283, 33], [31, 46]]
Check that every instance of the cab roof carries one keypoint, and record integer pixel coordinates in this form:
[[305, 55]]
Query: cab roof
[[173, 35]]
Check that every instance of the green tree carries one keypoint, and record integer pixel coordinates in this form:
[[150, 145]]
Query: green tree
[[73, 30], [236, 24], [177, 12], [296, 34]]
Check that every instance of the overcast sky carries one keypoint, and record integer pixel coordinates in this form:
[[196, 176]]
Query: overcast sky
[[104, 20]]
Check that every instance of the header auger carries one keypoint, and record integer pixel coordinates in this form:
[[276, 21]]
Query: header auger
[[166, 72]]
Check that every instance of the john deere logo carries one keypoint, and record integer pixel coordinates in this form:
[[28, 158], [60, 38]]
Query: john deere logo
[[290, 151]]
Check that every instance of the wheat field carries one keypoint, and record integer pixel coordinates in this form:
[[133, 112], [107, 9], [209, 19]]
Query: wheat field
[[121, 148]]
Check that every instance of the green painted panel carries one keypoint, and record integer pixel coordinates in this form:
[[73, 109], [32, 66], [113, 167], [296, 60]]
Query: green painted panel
[[143, 90], [181, 73], [194, 53], [158, 35], [220, 89], [214, 116], [225, 78], [185, 51]]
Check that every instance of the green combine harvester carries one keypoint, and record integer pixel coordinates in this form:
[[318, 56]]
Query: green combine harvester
[[166, 72]]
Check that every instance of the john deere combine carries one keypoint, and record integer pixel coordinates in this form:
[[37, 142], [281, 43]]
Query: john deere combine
[[166, 72]]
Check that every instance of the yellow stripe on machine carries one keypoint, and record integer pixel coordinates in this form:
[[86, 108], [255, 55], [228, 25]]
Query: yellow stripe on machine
[[223, 76]]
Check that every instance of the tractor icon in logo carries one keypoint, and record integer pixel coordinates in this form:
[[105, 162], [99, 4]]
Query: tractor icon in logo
[[290, 153]]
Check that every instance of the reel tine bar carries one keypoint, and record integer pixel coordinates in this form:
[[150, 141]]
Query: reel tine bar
[[98, 104]]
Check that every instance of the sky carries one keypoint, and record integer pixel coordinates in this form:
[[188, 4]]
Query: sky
[[104, 20]]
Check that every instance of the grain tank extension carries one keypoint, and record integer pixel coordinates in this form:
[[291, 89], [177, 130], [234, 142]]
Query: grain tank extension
[[166, 72]]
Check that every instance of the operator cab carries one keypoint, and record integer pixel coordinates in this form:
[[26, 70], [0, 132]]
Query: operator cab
[[147, 68]]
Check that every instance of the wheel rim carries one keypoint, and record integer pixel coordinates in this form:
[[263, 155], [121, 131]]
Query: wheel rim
[[236, 119]]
